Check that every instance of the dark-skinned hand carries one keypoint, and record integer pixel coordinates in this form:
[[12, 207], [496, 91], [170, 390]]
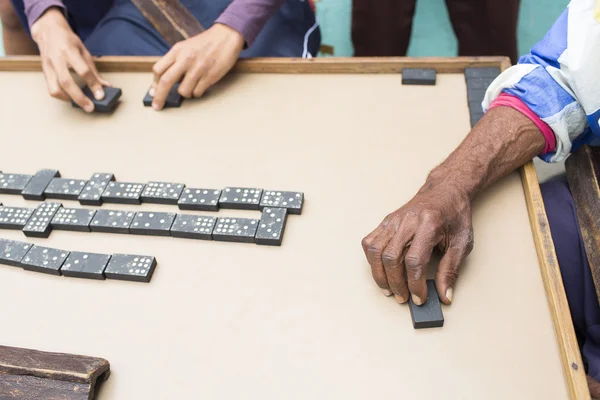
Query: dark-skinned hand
[[400, 248]]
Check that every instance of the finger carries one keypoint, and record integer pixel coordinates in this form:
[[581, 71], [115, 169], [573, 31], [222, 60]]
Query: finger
[[166, 82], [90, 61], [163, 65], [83, 69], [191, 79], [393, 261], [374, 254], [447, 273], [378, 276], [66, 82], [204, 84], [417, 260], [52, 83]]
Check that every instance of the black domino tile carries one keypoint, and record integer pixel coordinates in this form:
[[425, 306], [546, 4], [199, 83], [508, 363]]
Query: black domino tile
[[128, 267], [39, 225], [44, 259], [73, 219], [12, 252], [15, 217], [193, 226], [485, 72], [292, 201], [199, 199], [428, 315], [108, 104], [240, 198], [235, 230], [112, 221], [13, 183], [418, 76], [162, 192], [38, 184], [271, 227], [174, 99], [85, 265], [152, 223], [123, 193], [65, 189], [92, 193]]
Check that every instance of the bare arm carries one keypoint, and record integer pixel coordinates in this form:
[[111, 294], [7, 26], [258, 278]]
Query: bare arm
[[439, 215]]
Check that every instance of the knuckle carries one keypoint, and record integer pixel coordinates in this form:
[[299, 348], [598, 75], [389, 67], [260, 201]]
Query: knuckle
[[366, 242], [430, 216], [451, 276], [390, 257], [414, 264], [374, 250], [155, 69], [54, 92], [64, 82], [165, 80]]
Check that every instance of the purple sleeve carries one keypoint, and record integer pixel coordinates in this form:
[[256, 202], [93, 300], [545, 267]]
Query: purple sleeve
[[248, 17], [35, 8]]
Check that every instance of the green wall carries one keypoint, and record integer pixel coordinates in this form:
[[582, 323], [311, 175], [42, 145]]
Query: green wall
[[432, 33]]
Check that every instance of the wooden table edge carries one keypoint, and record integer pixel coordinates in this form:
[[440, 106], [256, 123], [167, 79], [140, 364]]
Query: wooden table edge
[[571, 361]]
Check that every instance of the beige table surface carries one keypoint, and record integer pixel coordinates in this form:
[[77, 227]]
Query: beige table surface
[[303, 321]]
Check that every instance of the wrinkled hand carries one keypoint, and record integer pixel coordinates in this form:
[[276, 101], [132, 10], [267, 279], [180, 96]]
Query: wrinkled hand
[[201, 61], [61, 49], [399, 249]]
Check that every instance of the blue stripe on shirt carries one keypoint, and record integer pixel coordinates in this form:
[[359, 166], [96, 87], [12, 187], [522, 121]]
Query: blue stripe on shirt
[[542, 94], [547, 51]]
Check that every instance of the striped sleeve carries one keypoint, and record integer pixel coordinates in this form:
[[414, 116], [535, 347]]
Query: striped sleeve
[[559, 80]]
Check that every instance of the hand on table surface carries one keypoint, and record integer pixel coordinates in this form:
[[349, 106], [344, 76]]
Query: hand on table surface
[[399, 249], [62, 50], [200, 61]]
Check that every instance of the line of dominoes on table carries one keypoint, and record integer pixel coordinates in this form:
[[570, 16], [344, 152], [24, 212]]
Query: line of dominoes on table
[[103, 188], [40, 221], [76, 264]]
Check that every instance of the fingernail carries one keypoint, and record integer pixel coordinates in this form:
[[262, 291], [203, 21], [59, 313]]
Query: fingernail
[[88, 107], [151, 91], [400, 299], [386, 292], [417, 300], [449, 294], [155, 107], [99, 94]]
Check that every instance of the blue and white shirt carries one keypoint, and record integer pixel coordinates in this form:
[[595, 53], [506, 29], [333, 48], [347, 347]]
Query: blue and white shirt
[[559, 80]]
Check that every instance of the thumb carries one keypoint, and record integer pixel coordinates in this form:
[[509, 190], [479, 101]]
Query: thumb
[[447, 273]]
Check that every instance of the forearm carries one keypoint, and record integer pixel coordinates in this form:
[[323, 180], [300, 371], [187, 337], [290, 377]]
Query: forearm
[[503, 141], [248, 17], [34, 9]]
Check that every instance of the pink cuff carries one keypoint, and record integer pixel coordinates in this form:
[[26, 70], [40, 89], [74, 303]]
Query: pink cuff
[[507, 100]]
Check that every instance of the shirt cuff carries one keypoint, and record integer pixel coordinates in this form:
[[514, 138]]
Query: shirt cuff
[[34, 10], [238, 20], [507, 100]]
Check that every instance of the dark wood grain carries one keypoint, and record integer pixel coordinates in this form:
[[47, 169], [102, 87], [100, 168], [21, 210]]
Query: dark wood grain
[[23, 387], [583, 174], [170, 18], [33, 374]]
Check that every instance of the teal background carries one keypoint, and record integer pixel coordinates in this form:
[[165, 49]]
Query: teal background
[[432, 33]]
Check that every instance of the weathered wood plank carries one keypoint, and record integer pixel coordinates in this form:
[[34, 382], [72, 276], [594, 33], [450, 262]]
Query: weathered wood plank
[[23, 387], [33, 375], [65, 367], [583, 174]]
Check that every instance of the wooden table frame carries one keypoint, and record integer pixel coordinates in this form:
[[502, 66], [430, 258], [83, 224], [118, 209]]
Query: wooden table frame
[[571, 361]]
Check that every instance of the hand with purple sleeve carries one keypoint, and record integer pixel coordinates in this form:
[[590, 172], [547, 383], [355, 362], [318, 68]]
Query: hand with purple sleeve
[[62, 50], [201, 61]]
